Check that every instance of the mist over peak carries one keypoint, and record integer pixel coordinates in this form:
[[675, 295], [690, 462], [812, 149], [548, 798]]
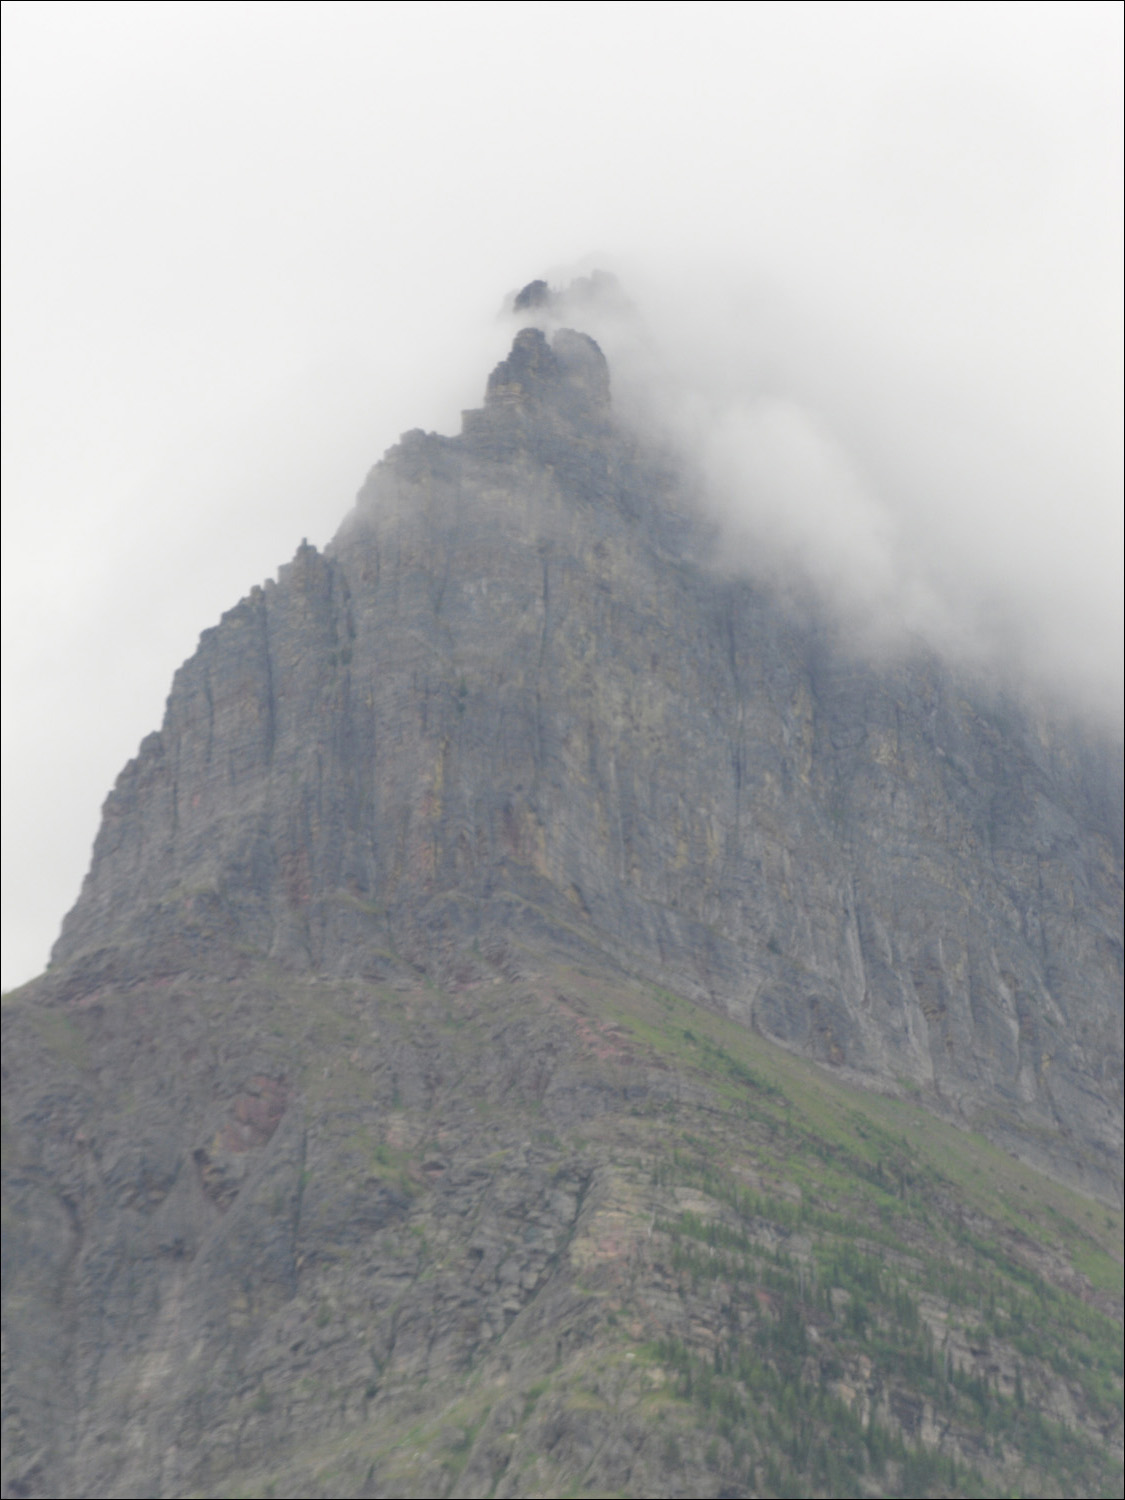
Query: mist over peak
[[835, 462], [569, 369], [597, 295]]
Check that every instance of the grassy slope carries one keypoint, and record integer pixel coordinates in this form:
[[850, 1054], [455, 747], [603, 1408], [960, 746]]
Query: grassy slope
[[772, 1282], [800, 1287]]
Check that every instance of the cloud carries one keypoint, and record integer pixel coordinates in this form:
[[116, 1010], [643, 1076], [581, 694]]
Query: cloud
[[848, 450]]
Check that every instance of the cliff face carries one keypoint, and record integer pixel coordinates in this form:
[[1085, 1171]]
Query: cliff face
[[517, 698], [516, 1033]]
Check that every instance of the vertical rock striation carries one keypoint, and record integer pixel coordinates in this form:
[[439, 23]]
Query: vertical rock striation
[[427, 1051], [517, 696]]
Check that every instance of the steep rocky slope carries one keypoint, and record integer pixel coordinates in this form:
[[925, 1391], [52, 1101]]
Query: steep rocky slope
[[449, 1079], [516, 695]]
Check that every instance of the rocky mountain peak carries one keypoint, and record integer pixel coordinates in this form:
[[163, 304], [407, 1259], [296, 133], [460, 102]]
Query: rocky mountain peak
[[504, 699], [529, 994], [565, 377]]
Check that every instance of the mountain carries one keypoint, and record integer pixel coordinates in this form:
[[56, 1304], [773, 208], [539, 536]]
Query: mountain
[[549, 1014]]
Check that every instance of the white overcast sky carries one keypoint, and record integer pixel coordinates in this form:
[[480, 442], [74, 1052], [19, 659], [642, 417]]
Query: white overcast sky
[[876, 248]]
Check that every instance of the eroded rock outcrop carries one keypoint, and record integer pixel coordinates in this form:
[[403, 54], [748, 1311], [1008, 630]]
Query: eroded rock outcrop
[[516, 696], [420, 1098]]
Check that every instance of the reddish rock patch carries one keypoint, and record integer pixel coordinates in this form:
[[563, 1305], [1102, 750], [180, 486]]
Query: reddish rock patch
[[254, 1114]]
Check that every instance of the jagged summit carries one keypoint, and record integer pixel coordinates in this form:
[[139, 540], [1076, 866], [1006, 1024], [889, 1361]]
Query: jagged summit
[[550, 397], [600, 293], [569, 373], [554, 393], [551, 393]]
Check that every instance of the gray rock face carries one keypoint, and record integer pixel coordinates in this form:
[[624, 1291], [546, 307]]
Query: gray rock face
[[499, 1045], [516, 695]]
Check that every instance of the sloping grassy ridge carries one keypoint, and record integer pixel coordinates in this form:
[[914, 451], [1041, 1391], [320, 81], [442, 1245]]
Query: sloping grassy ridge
[[541, 1232]]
